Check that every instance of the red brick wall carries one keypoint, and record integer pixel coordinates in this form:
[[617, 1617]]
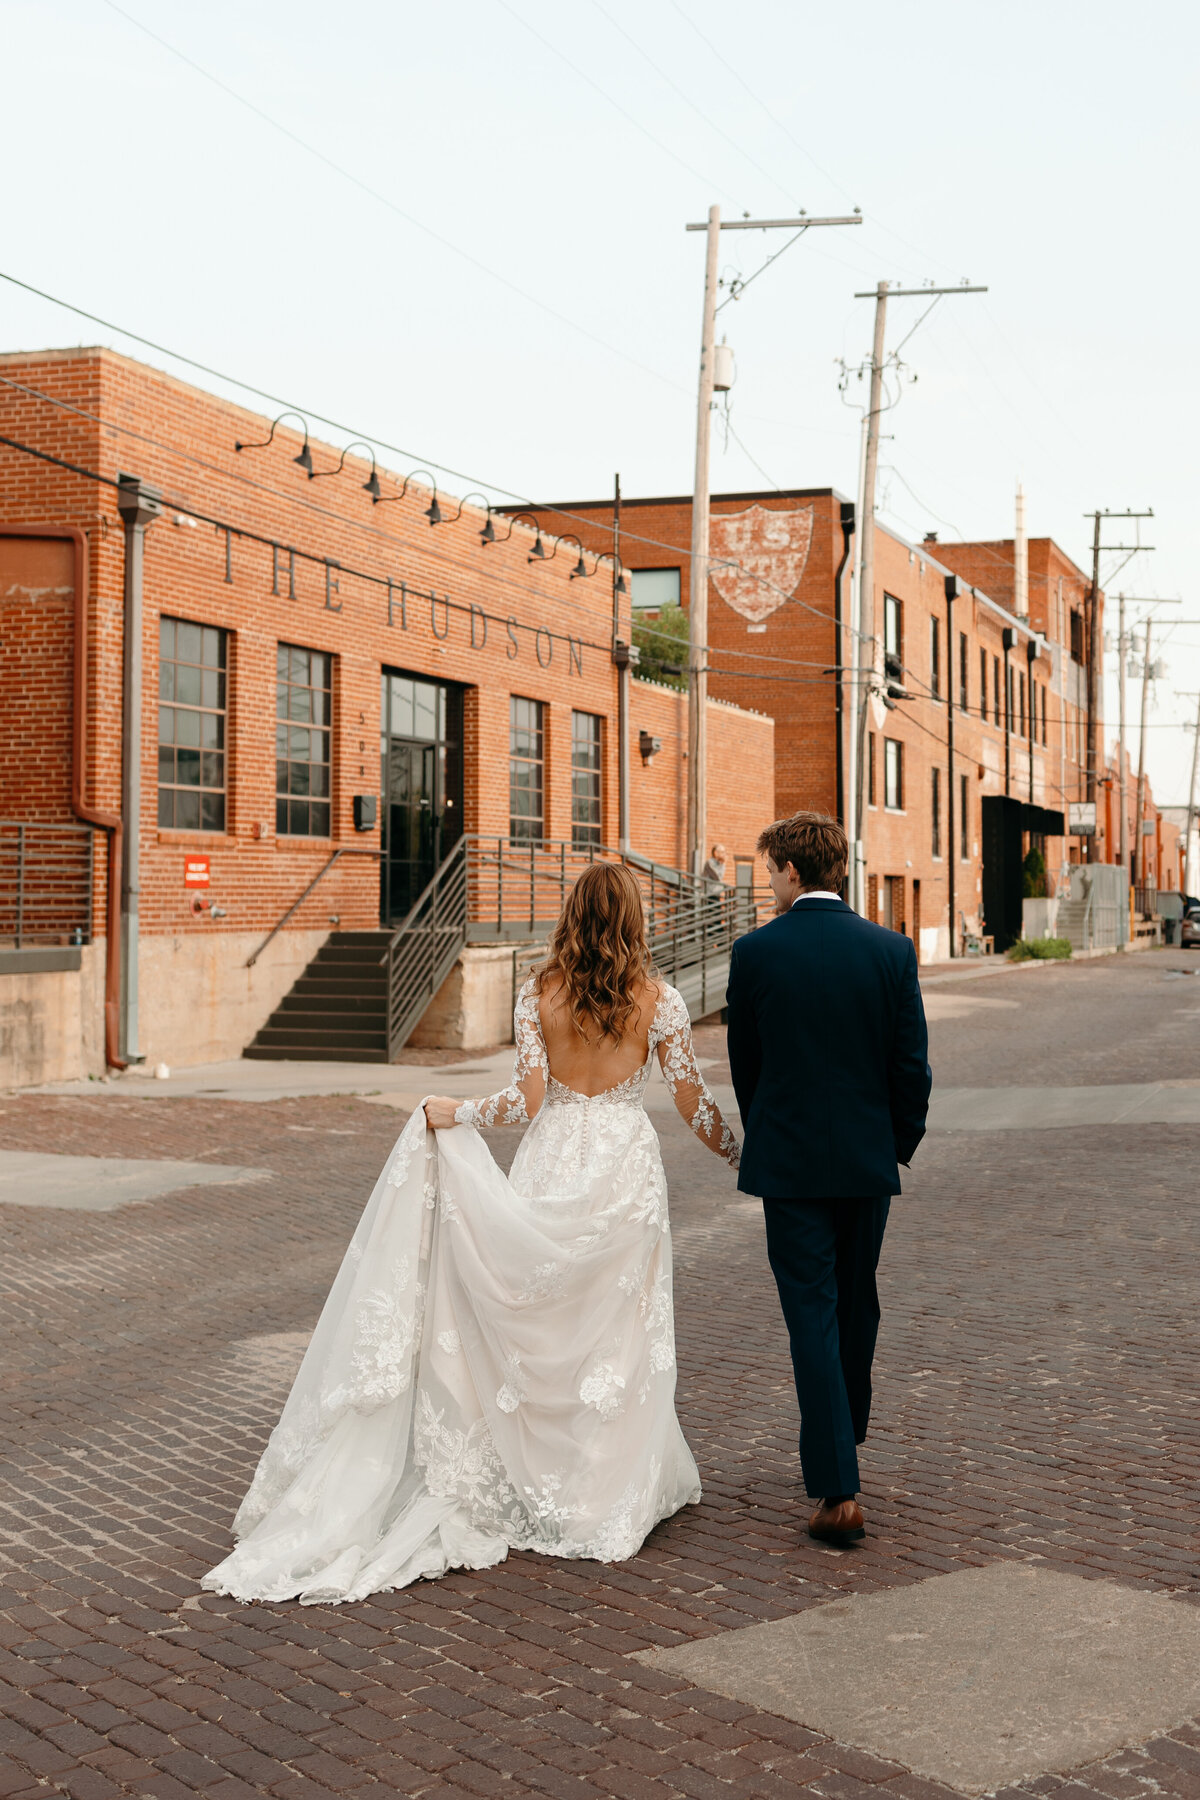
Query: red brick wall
[[741, 795], [182, 441], [37, 581]]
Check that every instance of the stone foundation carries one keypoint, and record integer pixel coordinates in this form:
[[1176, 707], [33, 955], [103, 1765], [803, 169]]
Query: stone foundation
[[474, 1005]]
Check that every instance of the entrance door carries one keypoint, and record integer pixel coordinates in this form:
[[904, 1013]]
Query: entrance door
[[421, 779]]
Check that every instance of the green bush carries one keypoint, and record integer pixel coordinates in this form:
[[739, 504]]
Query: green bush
[[1033, 873], [1046, 949]]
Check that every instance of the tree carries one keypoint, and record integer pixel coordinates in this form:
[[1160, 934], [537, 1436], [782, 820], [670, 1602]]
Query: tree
[[1034, 876], [662, 645]]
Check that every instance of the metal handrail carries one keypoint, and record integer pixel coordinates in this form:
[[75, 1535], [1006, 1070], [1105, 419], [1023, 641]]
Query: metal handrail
[[52, 882]]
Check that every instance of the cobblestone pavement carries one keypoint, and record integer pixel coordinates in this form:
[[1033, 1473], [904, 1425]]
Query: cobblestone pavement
[[1036, 1398]]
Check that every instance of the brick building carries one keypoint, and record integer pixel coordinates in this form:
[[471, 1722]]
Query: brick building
[[343, 675], [780, 642]]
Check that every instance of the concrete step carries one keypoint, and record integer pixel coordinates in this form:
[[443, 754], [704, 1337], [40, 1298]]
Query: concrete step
[[333, 1000], [327, 1053], [340, 1037]]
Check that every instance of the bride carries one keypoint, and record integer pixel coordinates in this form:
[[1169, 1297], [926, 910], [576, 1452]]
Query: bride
[[494, 1368]]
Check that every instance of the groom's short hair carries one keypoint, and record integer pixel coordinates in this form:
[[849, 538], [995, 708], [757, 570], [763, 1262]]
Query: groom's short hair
[[813, 843]]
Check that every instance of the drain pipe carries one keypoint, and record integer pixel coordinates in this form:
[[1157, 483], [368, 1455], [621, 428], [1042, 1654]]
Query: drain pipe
[[138, 505]]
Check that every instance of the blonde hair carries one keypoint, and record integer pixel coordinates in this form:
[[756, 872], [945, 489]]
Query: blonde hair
[[599, 951]]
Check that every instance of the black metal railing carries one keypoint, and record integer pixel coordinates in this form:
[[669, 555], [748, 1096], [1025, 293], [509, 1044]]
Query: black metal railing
[[1145, 901], [46, 883], [491, 890], [425, 947]]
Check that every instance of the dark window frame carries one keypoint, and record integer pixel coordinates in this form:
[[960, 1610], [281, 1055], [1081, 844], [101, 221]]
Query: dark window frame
[[303, 781], [587, 780], [935, 656], [964, 673], [983, 684], [893, 639], [870, 768], [964, 817], [526, 770], [893, 765], [193, 718], [935, 804]]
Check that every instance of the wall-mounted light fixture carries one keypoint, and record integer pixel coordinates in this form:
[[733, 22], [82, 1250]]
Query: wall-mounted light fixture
[[433, 511], [305, 456], [649, 746], [370, 486]]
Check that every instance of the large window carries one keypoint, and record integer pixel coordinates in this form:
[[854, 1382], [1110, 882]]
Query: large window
[[964, 698], [964, 818], [893, 773], [996, 688], [654, 589], [870, 768], [302, 733], [983, 685], [935, 657], [935, 800], [893, 628], [585, 780], [526, 771], [191, 726]]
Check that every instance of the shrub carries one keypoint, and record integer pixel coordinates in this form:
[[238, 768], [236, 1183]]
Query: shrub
[[1033, 875], [662, 644], [1046, 949]]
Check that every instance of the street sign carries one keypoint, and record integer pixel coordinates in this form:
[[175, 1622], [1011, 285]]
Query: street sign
[[195, 871], [1081, 818]]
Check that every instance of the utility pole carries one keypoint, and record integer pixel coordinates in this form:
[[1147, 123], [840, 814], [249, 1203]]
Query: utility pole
[[697, 783], [1125, 852], [1188, 871], [1141, 802], [870, 651], [1094, 644], [1124, 835]]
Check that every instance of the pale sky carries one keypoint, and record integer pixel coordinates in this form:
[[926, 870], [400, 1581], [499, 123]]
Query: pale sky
[[517, 299]]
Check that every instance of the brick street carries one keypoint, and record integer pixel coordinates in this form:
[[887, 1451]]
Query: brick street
[[1035, 1399]]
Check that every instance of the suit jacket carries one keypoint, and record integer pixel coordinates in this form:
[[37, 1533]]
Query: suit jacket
[[828, 1050]]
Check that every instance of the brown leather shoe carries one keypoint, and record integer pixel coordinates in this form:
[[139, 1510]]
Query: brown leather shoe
[[839, 1525]]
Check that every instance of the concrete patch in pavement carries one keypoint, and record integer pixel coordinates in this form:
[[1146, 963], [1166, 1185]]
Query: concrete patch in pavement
[[102, 1183], [1048, 1108], [977, 1679]]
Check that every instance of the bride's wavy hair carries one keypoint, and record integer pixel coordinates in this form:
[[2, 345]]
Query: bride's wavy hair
[[599, 950]]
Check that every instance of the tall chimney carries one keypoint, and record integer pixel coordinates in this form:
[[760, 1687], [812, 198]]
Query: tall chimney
[[1021, 561]]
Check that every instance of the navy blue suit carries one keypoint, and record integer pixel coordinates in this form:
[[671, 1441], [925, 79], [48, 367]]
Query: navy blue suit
[[828, 1051]]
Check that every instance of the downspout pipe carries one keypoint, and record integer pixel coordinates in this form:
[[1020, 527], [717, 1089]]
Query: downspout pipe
[[91, 815], [840, 660], [138, 505]]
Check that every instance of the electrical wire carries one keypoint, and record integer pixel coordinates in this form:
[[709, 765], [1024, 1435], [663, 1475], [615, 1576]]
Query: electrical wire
[[688, 101], [583, 75], [385, 200]]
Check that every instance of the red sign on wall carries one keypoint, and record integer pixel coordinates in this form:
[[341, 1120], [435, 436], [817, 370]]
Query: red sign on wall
[[195, 871]]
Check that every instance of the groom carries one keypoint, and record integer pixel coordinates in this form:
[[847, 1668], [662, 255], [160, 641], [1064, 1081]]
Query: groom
[[828, 1053]]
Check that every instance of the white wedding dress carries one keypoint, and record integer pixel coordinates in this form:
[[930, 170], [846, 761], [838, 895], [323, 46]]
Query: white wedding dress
[[494, 1368]]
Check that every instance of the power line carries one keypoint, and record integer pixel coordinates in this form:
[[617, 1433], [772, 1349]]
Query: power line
[[583, 75], [385, 200], [687, 100]]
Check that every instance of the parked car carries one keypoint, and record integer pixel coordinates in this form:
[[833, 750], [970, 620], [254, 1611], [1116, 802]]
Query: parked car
[[1189, 929]]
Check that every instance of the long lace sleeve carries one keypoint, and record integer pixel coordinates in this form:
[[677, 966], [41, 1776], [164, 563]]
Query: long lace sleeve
[[672, 1038], [517, 1103]]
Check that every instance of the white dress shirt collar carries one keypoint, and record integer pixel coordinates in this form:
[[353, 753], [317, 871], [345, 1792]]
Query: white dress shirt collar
[[817, 894]]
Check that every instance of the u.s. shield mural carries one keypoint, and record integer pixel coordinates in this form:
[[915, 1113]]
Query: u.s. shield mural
[[756, 557]]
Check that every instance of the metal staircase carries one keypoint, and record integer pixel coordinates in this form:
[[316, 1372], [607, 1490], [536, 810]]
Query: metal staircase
[[365, 992]]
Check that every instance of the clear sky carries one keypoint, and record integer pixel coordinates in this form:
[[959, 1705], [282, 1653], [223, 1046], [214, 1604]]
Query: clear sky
[[515, 297]]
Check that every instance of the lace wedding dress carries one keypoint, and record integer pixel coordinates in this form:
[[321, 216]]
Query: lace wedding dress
[[494, 1368]]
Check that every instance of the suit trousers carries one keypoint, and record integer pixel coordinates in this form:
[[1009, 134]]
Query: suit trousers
[[824, 1254]]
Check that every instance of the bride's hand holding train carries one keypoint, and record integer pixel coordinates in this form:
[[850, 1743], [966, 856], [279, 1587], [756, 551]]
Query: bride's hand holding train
[[439, 1112]]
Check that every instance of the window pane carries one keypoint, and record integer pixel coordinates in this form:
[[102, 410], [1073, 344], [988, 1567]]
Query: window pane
[[189, 642], [303, 755], [281, 817], [191, 762], [655, 588]]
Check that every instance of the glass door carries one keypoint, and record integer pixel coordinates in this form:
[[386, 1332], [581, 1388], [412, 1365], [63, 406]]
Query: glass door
[[421, 784]]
